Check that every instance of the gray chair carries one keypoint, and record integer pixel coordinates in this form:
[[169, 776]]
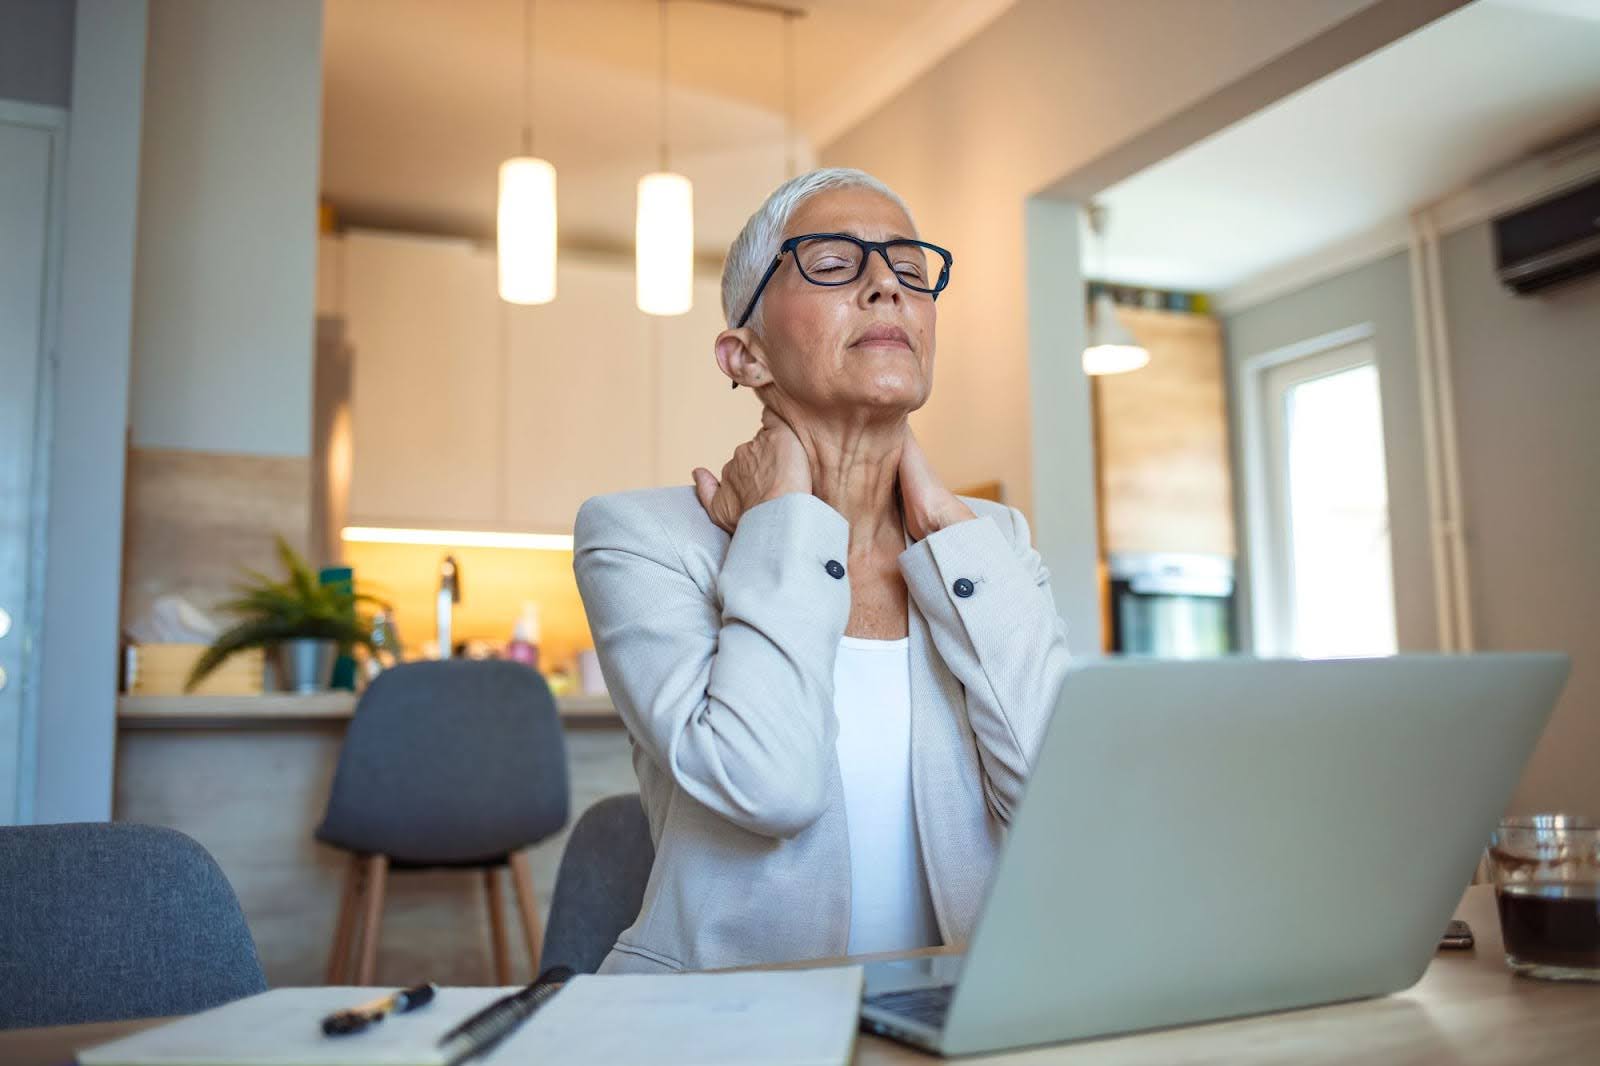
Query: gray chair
[[447, 764], [104, 921], [601, 883]]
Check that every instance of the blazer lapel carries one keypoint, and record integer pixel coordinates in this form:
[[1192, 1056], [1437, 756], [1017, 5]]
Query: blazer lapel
[[943, 754]]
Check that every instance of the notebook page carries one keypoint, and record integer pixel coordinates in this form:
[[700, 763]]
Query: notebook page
[[283, 1027], [789, 1018]]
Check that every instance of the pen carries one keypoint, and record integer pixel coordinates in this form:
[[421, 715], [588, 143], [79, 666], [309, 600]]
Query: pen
[[355, 1019], [499, 1019]]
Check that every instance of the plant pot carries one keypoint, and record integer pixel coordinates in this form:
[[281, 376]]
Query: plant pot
[[305, 666]]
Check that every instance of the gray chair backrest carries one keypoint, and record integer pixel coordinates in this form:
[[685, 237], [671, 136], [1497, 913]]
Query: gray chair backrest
[[103, 921], [600, 885], [449, 761]]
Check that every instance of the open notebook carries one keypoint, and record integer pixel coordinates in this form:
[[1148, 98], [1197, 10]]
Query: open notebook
[[791, 1018]]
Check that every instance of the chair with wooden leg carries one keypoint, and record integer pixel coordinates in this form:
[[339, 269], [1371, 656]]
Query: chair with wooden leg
[[451, 764]]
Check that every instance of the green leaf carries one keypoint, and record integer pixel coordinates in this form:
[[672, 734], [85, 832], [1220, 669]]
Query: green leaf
[[271, 611], [251, 633]]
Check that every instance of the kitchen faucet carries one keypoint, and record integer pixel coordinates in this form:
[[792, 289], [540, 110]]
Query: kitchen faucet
[[449, 596]]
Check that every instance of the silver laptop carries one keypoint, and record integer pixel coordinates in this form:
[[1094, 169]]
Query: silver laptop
[[1201, 840]]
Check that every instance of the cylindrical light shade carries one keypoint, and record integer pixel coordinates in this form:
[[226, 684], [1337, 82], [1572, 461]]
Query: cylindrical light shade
[[527, 231], [1112, 349], [664, 245], [1114, 358]]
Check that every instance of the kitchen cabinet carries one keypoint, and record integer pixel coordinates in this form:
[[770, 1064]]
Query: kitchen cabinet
[[605, 398], [701, 419], [578, 385], [1162, 441], [467, 412], [427, 392]]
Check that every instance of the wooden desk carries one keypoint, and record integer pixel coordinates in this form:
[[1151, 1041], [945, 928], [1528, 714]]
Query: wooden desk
[[1468, 1008]]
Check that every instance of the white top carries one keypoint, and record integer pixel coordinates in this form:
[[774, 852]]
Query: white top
[[890, 909]]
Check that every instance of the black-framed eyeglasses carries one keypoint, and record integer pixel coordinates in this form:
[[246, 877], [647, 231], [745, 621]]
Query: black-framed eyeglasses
[[839, 259]]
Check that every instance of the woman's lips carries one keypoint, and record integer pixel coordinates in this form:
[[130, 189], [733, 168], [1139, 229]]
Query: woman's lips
[[882, 337]]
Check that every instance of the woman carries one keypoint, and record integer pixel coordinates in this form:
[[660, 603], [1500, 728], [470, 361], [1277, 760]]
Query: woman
[[835, 672]]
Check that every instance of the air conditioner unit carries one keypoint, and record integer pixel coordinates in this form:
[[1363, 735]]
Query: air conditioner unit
[[1550, 242]]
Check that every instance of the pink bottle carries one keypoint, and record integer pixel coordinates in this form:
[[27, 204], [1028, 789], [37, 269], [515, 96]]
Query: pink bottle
[[524, 646]]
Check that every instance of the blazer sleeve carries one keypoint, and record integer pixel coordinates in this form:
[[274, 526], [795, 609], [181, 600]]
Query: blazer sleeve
[[986, 595], [729, 690]]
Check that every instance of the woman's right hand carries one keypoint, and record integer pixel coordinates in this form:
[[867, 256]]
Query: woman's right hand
[[769, 465]]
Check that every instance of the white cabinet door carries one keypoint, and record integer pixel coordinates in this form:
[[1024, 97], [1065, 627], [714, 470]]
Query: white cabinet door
[[702, 420], [428, 402], [579, 374]]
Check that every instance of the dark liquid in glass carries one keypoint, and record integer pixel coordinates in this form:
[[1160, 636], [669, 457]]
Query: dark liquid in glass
[[1551, 925]]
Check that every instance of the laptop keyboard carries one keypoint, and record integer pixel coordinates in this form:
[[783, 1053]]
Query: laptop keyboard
[[926, 1005]]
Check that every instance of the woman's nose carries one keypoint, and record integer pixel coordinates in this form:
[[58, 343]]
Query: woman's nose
[[881, 281]]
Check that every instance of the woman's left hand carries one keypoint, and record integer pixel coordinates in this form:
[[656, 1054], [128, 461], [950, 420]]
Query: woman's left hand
[[928, 505]]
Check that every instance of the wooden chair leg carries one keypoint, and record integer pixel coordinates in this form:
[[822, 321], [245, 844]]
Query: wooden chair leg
[[497, 927], [527, 906], [377, 875], [349, 900]]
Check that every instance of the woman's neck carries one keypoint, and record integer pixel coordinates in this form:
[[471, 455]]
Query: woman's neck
[[854, 469]]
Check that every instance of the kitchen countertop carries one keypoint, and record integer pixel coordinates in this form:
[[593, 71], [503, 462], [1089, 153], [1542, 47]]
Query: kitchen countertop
[[287, 708]]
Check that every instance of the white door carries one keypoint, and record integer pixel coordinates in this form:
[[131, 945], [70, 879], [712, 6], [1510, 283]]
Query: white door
[[1328, 571], [28, 158]]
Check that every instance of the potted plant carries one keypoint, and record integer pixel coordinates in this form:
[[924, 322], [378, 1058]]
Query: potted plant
[[301, 621]]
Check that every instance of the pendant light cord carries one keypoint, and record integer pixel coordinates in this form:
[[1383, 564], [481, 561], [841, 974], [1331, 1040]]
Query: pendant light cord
[[788, 94], [1097, 226], [661, 20], [527, 77]]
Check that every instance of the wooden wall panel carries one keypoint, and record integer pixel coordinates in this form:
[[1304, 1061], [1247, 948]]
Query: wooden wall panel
[[1166, 483], [193, 519]]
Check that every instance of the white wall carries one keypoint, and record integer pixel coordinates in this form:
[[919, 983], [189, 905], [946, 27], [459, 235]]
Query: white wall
[[223, 324], [76, 733], [1527, 386], [1065, 532]]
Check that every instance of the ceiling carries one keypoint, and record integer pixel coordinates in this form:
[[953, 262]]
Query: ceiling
[[423, 99], [1358, 150]]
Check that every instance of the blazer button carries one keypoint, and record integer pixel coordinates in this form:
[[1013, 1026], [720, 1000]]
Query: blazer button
[[963, 587], [834, 569]]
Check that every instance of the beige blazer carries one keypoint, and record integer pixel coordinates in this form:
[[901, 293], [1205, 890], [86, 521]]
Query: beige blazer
[[719, 652]]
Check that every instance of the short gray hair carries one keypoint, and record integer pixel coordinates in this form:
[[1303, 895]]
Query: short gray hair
[[752, 251]]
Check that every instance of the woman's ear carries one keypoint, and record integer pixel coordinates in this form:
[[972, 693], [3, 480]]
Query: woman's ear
[[740, 356]]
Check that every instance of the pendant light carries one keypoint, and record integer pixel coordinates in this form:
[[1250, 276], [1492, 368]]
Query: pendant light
[[1112, 349], [664, 223], [526, 219]]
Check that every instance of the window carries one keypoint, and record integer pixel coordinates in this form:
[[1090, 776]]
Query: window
[[1322, 581]]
